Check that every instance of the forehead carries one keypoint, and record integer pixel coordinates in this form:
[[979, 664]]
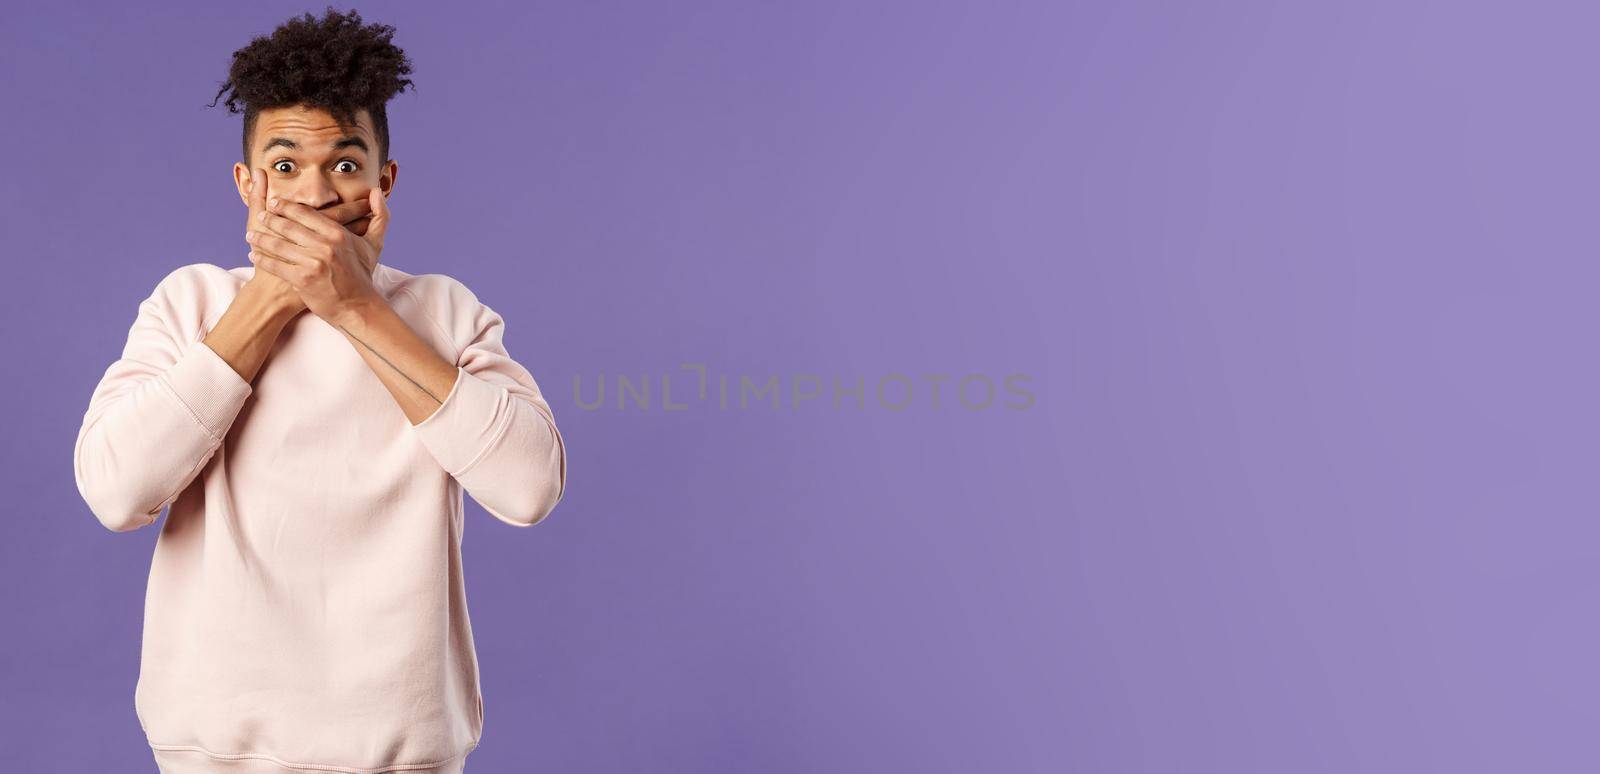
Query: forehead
[[313, 129]]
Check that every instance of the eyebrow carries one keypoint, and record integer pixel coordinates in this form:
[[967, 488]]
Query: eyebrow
[[343, 142]]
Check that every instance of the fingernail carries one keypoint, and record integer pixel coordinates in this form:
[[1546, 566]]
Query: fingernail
[[262, 217], [249, 236], [273, 202]]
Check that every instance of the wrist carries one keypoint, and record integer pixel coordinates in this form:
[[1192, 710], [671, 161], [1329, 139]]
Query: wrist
[[280, 303], [357, 313]]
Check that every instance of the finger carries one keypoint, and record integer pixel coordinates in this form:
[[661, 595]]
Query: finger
[[289, 266], [288, 228], [256, 202], [360, 225], [349, 211], [258, 190], [380, 219], [274, 266], [312, 220], [282, 249], [259, 250]]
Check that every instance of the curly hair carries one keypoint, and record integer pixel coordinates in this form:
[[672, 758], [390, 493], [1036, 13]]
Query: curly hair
[[334, 63]]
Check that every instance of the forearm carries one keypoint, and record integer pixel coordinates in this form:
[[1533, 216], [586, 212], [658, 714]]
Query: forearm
[[246, 332], [415, 374], [482, 417]]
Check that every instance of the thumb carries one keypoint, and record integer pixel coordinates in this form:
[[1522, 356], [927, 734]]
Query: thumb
[[380, 218]]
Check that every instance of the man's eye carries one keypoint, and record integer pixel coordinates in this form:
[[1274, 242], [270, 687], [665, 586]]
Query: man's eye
[[354, 166], [279, 166]]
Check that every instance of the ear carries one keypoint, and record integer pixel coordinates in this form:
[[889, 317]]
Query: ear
[[391, 173], [241, 181]]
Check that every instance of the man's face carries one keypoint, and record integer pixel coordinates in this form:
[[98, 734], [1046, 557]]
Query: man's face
[[310, 160]]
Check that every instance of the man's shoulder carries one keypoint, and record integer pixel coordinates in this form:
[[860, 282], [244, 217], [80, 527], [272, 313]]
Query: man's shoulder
[[425, 286], [189, 299], [441, 295], [198, 290], [445, 301], [199, 278]]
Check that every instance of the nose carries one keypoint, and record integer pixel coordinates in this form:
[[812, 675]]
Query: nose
[[314, 190]]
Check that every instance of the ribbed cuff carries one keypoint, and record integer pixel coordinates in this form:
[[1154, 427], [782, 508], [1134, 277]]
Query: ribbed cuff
[[465, 424], [210, 388]]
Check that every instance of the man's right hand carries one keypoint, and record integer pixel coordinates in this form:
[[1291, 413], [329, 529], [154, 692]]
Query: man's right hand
[[355, 215]]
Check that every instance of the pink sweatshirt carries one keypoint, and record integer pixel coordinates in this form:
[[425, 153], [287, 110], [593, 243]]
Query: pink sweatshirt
[[305, 609]]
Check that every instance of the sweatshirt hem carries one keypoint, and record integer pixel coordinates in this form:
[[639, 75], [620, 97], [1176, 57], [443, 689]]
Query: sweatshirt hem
[[251, 763]]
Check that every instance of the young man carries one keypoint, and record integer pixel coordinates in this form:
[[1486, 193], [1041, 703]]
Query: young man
[[310, 422]]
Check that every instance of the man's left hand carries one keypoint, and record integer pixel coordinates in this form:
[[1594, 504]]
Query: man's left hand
[[328, 264]]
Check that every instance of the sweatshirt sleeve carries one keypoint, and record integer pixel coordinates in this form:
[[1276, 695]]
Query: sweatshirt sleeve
[[159, 412], [495, 432]]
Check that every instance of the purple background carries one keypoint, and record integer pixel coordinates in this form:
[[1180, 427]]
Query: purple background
[[1302, 291]]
